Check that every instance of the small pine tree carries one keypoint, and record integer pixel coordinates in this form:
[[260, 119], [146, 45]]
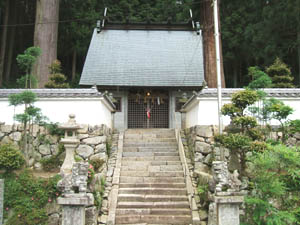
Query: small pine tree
[[280, 74], [56, 79]]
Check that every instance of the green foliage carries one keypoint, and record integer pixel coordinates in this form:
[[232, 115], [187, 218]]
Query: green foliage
[[259, 78], [98, 194], [294, 126], [26, 62], [21, 82], [245, 98], [274, 198], [26, 197], [258, 146], [277, 109], [245, 121], [54, 130], [10, 158], [56, 79], [236, 142], [97, 163], [280, 74], [231, 110], [55, 161]]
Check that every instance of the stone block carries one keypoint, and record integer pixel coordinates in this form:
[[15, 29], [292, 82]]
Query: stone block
[[234, 163], [201, 167], [199, 157], [53, 219], [94, 140], [99, 156], [91, 215], [45, 149], [82, 136], [297, 136], [16, 136], [203, 214], [204, 131], [84, 129], [6, 128], [52, 208], [6, 140], [84, 151], [203, 148], [54, 149], [100, 148]]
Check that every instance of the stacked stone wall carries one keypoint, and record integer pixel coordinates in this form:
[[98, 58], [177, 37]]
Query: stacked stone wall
[[96, 143]]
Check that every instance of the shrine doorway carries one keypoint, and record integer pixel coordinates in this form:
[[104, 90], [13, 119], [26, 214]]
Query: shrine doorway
[[148, 109]]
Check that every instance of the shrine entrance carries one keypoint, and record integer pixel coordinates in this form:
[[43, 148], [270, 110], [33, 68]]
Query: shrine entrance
[[148, 109]]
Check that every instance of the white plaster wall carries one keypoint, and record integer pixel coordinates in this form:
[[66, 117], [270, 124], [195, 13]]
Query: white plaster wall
[[192, 116], [87, 111], [205, 112], [208, 112]]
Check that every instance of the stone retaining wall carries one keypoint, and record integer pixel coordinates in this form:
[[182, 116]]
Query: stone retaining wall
[[201, 151], [96, 143]]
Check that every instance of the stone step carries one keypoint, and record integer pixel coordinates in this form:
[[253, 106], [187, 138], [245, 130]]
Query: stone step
[[159, 185], [150, 168], [154, 219], [152, 174], [151, 198], [150, 163], [148, 149], [154, 180], [149, 144], [151, 158], [165, 205], [144, 154], [150, 139], [153, 191], [150, 131], [153, 211]]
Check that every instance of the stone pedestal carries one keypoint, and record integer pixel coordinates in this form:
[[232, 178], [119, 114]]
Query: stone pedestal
[[225, 210], [73, 208], [1, 200]]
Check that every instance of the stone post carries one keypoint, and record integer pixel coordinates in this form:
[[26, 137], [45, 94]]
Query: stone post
[[74, 197], [1, 200], [225, 208], [73, 207], [70, 142]]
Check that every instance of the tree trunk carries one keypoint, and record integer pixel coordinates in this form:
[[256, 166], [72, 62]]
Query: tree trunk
[[298, 37], [3, 42], [74, 65], [207, 20], [45, 37], [11, 45]]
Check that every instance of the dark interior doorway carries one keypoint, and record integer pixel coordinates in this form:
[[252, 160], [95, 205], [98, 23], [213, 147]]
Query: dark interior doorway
[[148, 109]]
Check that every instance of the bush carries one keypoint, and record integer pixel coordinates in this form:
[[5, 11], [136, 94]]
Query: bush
[[294, 126], [10, 158], [25, 198], [275, 194]]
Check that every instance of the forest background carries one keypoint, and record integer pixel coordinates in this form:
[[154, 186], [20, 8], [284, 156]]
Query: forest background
[[253, 32]]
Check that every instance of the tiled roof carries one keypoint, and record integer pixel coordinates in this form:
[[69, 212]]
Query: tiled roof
[[55, 93], [272, 92], [158, 58]]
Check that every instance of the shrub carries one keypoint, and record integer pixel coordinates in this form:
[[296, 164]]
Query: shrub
[[26, 197], [10, 158], [294, 126], [274, 198]]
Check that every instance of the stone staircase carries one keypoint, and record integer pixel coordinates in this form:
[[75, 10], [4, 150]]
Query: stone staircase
[[152, 188]]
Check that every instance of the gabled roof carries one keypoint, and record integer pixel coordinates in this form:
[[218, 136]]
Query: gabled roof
[[139, 57]]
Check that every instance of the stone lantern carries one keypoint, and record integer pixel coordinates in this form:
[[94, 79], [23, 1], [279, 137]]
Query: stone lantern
[[70, 142]]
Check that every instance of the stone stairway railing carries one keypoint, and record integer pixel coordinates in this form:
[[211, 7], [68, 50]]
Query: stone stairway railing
[[188, 181], [113, 197]]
